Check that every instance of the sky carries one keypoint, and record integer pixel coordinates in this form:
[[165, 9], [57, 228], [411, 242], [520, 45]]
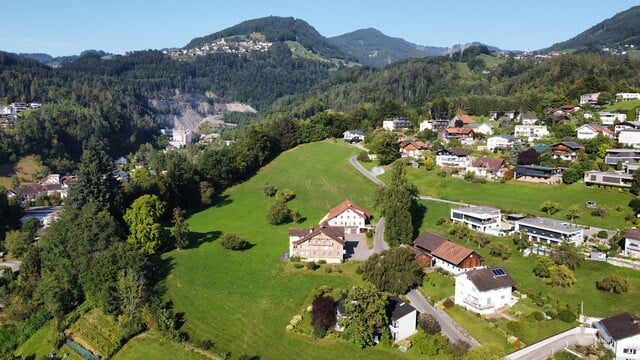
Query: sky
[[67, 27]]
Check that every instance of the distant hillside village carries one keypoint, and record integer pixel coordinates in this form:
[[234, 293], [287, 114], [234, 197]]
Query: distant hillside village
[[223, 46], [9, 113]]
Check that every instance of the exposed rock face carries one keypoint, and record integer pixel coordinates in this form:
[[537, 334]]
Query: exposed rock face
[[188, 111]]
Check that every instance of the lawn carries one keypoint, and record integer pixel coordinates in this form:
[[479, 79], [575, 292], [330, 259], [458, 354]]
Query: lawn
[[480, 329], [151, 345], [242, 301], [521, 197]]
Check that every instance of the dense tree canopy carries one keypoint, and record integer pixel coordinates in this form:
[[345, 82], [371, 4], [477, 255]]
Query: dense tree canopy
[[394, 271]]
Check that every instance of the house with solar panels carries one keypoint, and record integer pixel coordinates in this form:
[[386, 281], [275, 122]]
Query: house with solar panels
[[484, 290]]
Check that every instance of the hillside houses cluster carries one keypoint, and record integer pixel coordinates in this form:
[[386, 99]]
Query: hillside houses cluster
[[222, 46], [9, 113]]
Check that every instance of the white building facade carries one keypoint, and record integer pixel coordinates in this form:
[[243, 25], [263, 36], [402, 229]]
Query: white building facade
[[479, 218], [484, 291]]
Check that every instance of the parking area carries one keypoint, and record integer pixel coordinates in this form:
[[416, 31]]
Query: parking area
[[356, 247]]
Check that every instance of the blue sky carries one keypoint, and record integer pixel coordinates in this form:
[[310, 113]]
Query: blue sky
[[66, 27]]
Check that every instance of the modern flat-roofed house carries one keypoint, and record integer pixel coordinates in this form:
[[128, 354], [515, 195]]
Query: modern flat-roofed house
[[500, 142], [353, 136], [610, 178], [550, 231], [479, 218], [531, 132], [402, 319], [624, 156], [632, 243], [609, 118], [318, 243], [629, 138], [626, 125], [591, 98], [627, 96], [396, 123], [453, 157], [434, 125], [621, 334], [536, 173], [349, 216], [485, 290]]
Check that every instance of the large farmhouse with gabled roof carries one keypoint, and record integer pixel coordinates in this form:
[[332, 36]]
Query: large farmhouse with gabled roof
[[317, 243], [348, 215]]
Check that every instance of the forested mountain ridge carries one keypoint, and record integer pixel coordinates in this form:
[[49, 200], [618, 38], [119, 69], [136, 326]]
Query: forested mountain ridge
[[278, 29], [372, 47], [618, 31]]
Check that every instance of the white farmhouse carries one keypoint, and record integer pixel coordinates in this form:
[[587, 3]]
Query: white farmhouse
[[353, 218], [621, 334], [485, 290]]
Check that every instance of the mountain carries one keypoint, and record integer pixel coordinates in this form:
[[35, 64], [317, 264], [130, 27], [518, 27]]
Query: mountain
[[277, 29], [372, 47], [622, 29]]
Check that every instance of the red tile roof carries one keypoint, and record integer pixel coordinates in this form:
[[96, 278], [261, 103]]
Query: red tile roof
[[466, 119], [344, 206], [452, 252], [463, 131]]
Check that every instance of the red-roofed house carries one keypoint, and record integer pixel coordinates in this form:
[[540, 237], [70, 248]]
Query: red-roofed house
[[488, 167], [351, 217], [589, 131], [445, 254], [412, 149], [461, 120], [318, 243], [461, 134]]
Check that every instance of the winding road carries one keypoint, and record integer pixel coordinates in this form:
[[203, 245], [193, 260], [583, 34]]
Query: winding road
[[450, 328]]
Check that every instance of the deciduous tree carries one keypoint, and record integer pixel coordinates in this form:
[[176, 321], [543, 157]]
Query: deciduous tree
[[561, 275], [143, 218], [613, 283], [394, 270], [366, 313]]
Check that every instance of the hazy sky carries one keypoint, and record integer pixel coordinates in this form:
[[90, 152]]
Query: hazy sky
[[67, 27]]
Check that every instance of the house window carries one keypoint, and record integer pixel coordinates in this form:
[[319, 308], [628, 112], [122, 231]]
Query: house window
[[629, 351]]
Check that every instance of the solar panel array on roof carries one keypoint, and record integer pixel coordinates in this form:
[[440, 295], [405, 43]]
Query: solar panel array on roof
[[498, 272]]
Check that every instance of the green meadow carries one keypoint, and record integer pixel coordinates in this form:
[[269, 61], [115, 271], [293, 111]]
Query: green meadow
[[242, 301]]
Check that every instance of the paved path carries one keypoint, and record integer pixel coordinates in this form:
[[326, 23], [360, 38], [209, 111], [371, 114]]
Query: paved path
[[449, 328], [547, 347], [354, 161], [379, 245]]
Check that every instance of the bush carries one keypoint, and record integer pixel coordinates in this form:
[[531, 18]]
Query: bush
[[298, 265], [312, 266], [322, 261], [363, 156], [613, 283], [537, 315], [567, 316], [319, 332], [234, 242], [294, 259], [278, 213], [603, 234], [515, 327], [428, 323], [268, 189], [448, 303], [285, 195]]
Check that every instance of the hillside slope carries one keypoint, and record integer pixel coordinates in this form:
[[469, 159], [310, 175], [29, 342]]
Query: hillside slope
[[622, 29]]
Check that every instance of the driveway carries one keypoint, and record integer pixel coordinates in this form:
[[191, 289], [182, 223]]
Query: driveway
[[356, 247], [449, 328]]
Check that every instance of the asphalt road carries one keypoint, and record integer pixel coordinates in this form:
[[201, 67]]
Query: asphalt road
[[379, 245], [449, 328]]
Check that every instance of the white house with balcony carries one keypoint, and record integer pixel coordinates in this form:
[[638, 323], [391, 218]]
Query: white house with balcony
[[500, 142], [629, 138], [396, 123], [621, 334], [609, 118], [550, 231], [453, 157], [479, 218], [590, 131], [591, 98], [484, 290], [632, 243], [531, 132], [627, 96]]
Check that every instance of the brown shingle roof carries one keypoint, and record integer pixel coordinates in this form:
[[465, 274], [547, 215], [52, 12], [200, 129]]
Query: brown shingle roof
[[622, 326], [489, 163], [429, 241], [633, 234], [466, 119], [348, 204], [452, 252], [334, 232], [457, 151], [485, 279]]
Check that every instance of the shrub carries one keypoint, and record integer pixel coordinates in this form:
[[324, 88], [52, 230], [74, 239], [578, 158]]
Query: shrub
[[278, 212], [537, 315], [322, 261], [285, 195], [448, 303], [298, 265], [613, 283], [268, 189], [294, 259], [233, 242], [319, 332], [328, 269], [363, 156], [428, 323], [312, 266], [515, 327], [603, 234], [567, 316]]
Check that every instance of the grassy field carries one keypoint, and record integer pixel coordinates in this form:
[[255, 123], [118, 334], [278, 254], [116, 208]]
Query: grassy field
[[27, 169], [242, 301], [521, 197]]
